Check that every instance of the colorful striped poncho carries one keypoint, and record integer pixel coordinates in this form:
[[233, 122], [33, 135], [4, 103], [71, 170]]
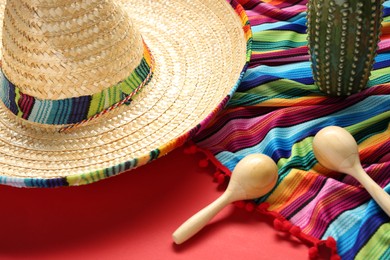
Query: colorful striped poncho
[[277, 110]]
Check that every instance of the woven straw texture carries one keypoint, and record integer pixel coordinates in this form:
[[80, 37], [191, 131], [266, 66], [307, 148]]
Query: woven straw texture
[[200, 52], [64, 49]]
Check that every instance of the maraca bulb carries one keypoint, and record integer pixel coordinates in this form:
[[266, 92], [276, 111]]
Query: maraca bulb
[[254, 176], [335, 148]]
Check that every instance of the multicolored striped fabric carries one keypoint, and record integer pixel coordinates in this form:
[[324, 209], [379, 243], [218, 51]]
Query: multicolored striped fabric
[[74, 110], [277, 110]]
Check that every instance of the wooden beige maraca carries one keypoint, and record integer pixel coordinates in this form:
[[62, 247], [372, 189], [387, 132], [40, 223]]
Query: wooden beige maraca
[[254, 176], [336, 149]]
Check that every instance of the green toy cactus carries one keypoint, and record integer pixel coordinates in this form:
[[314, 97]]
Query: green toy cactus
[[343, 36]]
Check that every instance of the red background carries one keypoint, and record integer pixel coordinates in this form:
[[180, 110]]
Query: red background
[[132, 216]]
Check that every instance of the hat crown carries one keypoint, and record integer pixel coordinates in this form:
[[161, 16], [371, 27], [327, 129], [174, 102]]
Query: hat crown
[[57, 49]]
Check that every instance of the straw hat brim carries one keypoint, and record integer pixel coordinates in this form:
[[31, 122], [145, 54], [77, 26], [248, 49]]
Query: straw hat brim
[[201, 50]]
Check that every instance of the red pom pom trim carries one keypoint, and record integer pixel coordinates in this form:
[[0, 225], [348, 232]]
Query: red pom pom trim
[[286, 225], [331, 243], [250, 207], [335, 257], [313, 252], [216, 174], [239, 204], [192, 149], [221, 178], [203, 163], [295, 230], [278, 225], [263, 207]]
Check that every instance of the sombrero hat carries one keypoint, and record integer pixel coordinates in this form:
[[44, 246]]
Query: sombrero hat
[[93, 88]]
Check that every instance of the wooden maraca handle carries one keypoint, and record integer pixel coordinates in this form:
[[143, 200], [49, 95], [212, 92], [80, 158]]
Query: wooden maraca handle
[[199, 220], [253, 176], [336, 149], [376, 192]]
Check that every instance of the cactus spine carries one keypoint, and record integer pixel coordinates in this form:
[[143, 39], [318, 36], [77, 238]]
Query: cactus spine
[[343, 36]]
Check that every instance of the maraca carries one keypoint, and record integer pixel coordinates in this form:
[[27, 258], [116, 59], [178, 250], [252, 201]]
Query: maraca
[[336, 149], [254, 176]]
